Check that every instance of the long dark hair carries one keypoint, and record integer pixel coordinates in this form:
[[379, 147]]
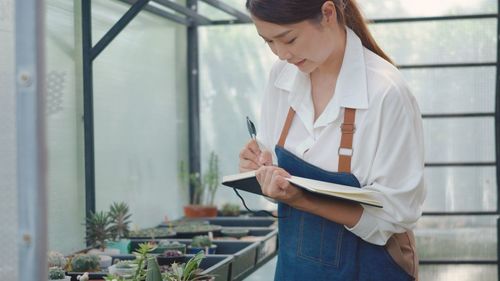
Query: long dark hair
[[294, 11]]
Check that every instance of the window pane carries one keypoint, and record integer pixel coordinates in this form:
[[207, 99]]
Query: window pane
[[460, 189], [10, 264], [434, 42], [234, 67], [66, 199], [140, 116], [458, 272], [453, 90], [459, 140], [457, 238], [425, 8]]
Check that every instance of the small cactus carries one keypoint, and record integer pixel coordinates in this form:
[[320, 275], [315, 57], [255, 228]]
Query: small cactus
[[56, 273], [230, 210], [82, 263], [56, 259], [201, 241]]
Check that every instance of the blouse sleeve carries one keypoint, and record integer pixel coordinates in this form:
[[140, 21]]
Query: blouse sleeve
[[397, 171]]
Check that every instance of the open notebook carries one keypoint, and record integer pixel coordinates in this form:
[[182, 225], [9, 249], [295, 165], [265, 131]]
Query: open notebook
[[248, 182]]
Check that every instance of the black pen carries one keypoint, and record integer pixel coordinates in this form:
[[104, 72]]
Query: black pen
[[251, 129]]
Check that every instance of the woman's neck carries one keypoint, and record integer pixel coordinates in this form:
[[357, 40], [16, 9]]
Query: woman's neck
[[333, 63]]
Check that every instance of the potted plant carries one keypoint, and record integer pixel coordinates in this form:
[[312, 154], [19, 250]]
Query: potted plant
[[205, 186], [85, 263], [148, 268], [202, 243], [98, 233], [119, 227], [164, 245], [169, 257], [189, 271], [125, 269], [230, 210], [57, 273], [176, 246], [56, 259], [154, 232]]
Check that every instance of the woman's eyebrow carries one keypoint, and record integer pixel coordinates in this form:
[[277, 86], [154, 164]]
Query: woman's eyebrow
[[278, 35]]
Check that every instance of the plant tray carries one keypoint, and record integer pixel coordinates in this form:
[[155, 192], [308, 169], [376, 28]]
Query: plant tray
[[217, 265], [156, 232]]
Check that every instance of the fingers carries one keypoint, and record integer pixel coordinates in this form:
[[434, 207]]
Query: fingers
[[253, 147], [266, 158], [251, 157], [273, 181], [247, 165]]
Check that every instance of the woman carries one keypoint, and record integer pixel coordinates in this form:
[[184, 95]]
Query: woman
[[337, 110]]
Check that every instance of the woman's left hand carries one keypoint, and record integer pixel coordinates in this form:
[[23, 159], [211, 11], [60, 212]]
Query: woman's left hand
[[272, 180]]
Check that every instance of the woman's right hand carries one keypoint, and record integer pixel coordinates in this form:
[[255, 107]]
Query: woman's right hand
[[252, 158]]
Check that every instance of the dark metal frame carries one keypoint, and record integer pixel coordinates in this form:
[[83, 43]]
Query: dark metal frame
[[192, 20]]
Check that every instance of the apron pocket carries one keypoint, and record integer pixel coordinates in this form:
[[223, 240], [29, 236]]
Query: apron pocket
[[395, 267], [320, 240]]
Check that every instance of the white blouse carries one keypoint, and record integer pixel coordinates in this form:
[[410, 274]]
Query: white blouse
[[388, 149]]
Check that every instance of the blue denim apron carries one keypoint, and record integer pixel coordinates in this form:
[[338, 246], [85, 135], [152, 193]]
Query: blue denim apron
[[312, 248]]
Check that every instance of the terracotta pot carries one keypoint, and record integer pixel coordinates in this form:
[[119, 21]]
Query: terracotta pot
[[199, 211]]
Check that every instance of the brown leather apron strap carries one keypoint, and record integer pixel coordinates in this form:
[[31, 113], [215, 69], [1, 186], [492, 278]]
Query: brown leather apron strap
[[345, 149], [286, 127]]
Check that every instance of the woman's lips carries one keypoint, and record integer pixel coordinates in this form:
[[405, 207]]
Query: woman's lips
[[300, 62]]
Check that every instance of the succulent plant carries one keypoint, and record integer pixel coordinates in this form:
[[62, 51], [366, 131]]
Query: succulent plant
[[119, 214], [56, 259], [201, 241], [197, 228], [56, 273], [157, 232], [204, 186], [98, 229], [230, 209], [83, 263], [153, 273], [172, 253], [188, 271]]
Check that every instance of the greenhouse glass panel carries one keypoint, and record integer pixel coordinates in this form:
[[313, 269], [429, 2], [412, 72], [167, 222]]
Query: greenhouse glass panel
[[425, 8], [453, 90], [140, 111], [459, 140], [460, 189], [9, 257], [65, 179], [456, 238], [234, 67], [435, 42], [458, 272]]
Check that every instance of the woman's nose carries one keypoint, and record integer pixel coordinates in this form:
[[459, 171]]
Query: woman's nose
[[283, 53]]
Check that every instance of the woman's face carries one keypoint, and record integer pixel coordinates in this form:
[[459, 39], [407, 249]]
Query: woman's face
[[306, 44]]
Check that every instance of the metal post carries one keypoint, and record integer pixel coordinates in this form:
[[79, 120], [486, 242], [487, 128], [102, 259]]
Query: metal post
[[88, 106], [31, 149], [193, 98], [497, 136]]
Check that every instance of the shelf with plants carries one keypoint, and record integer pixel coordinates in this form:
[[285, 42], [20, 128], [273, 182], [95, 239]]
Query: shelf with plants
[[244, 254], [143, 265]]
